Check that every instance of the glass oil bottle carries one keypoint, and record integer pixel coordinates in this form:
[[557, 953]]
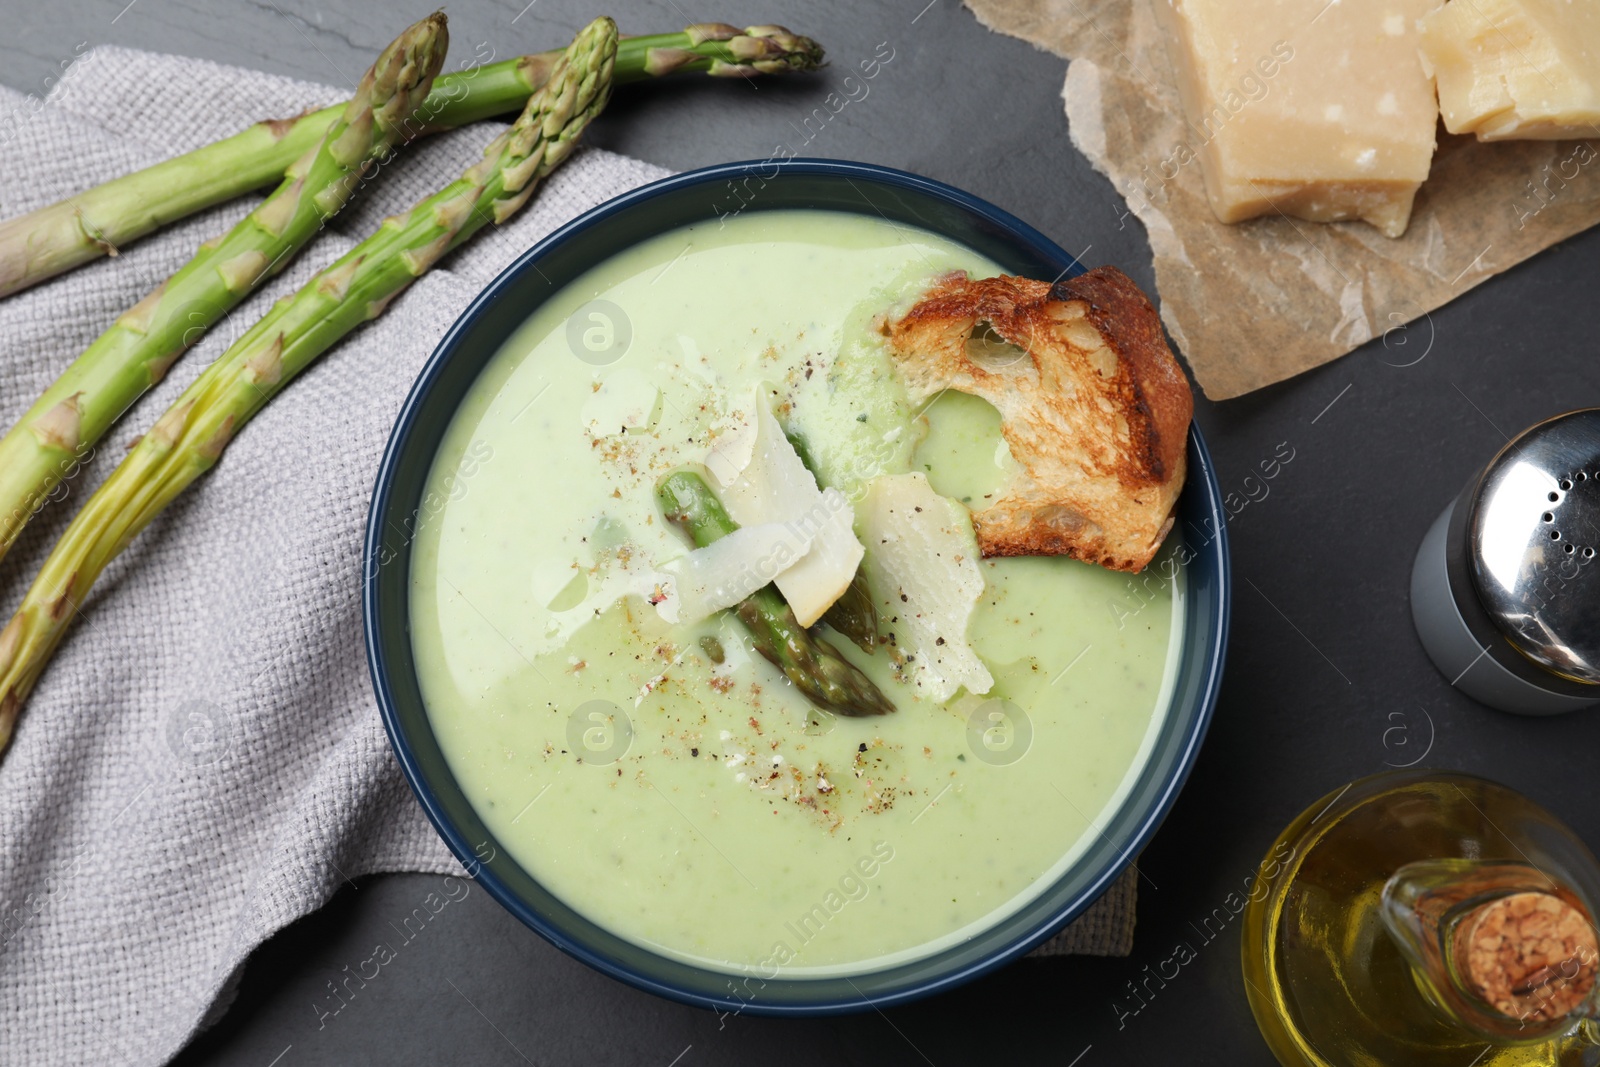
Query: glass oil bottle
[[1421, 919]]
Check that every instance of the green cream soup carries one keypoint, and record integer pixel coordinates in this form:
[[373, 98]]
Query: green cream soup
[[708, 810]]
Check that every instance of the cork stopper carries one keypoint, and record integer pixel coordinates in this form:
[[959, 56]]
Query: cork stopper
[[1531, 956]]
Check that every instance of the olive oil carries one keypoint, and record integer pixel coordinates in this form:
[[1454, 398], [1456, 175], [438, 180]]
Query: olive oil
[[1351, 956]]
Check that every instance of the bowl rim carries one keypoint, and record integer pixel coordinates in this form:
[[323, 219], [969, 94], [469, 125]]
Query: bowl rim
[[1201, 474]]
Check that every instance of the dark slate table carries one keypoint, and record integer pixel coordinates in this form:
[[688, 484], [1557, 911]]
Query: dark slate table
[[1325, 680]]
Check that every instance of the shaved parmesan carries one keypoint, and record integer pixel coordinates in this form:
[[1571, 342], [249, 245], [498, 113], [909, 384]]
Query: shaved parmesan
[[763, 480], [823, 574], [923, 562], [760, 474], [726, 571]]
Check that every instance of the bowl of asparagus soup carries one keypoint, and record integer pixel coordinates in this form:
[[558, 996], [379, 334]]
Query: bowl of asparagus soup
[[795, 586]]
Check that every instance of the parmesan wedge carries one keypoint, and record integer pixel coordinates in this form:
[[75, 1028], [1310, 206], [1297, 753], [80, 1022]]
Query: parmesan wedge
[[923, 563], [1318, 109], [1516, 69], [762, 480], [726, 571]]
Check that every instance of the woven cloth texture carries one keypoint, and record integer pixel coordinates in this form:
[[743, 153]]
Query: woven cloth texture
[[203, 762]]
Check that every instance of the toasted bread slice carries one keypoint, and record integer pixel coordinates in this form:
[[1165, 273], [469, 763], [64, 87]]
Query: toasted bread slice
[[1092, 403]]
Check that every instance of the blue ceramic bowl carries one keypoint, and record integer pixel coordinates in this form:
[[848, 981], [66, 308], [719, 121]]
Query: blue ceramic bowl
[[479, 333]]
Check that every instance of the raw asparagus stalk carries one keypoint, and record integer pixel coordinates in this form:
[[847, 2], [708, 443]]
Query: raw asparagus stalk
[[814, 666], [187, 440], [97, 222], [65, 424]]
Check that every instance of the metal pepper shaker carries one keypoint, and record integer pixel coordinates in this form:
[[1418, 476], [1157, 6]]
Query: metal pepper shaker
[[1505, 591]]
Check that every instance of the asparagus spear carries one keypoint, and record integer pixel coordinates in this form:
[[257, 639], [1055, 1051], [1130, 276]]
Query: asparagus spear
[[815, 667], [855, 615], [97, 222], [67, 421], [187, 440]]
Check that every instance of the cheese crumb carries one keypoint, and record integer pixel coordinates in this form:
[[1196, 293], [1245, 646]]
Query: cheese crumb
[[626, 401]]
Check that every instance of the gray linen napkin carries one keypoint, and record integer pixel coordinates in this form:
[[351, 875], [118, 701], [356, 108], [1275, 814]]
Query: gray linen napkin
[[203, 762]]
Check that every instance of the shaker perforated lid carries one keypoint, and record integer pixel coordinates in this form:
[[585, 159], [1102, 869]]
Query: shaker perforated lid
[[1534, 544]]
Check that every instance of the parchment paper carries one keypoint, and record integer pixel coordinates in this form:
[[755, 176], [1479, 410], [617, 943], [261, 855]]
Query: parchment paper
[[1257, 302]]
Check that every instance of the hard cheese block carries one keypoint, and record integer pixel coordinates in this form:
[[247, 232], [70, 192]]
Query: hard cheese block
[[1516, 69], [1311, 108]]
